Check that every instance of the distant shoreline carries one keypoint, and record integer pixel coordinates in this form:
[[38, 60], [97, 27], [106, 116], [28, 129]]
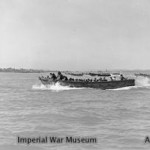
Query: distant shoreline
[[21, 70]]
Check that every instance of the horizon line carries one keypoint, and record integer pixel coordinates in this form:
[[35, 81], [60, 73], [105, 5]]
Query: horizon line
[[35, 69]]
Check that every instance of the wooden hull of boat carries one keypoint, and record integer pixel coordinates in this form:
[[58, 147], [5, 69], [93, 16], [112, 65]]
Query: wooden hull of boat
[[101, 85]]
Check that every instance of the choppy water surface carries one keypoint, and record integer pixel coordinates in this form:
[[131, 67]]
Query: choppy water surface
[[119, 119]]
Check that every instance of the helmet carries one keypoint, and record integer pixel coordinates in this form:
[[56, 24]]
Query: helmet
[[59, 72]]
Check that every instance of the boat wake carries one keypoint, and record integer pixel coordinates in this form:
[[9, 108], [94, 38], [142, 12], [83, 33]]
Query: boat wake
[[140, 82], [53, 87]]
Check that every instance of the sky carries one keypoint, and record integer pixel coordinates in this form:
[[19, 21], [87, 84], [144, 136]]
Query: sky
[[75, 34]]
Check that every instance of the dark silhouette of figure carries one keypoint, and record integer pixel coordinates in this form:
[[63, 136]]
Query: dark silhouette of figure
[[104, 79], [60, 76], [111, 78], [122, 77], [53, 76]]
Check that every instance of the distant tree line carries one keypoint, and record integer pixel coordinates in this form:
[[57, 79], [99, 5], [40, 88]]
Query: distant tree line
[[21, 70]]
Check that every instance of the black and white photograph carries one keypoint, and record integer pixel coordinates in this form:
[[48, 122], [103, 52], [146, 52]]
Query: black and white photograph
[[74, 74]]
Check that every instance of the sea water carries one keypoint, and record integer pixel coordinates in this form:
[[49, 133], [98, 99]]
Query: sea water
[[119, 119]]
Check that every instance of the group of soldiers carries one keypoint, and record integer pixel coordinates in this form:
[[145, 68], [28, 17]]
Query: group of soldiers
[[59, 76]]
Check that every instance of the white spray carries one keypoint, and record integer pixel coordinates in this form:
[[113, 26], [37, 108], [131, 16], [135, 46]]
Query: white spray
[[53, 87]]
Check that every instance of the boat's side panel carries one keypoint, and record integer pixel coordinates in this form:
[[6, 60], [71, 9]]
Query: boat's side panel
[[101, 85]]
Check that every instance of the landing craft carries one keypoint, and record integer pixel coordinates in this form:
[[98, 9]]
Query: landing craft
[[88, 83]]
